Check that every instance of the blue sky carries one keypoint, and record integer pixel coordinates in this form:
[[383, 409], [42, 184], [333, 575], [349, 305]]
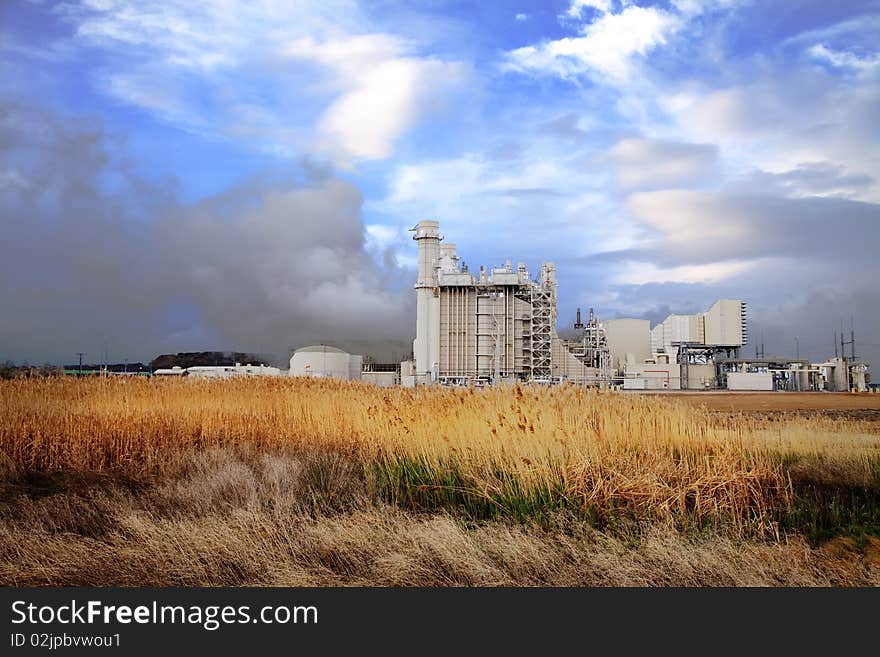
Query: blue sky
[[183, 175]]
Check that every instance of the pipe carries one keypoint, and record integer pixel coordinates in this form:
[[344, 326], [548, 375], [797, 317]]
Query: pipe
[[661, 372]]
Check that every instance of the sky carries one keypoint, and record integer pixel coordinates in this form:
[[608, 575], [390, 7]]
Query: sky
[[223, 175]]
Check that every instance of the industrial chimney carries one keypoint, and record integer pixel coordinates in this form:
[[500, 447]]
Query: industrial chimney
[[426, 346]]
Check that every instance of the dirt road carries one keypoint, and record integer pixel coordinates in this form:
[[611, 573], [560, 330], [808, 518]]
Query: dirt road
[[779, 401]]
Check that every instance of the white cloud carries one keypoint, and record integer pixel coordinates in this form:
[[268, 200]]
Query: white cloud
[[12, 179], [384, 91], [734, 112], [286, 77], [782, 119], [687, 219], [843, 59], [606, 48], [521, 17], [577, 7], [857, 31], [643, 273], [641, 163], [698, 7], [381, 236], [162, 97], [543, 203]]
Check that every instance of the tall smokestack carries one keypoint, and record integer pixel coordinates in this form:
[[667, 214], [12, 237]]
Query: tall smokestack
[[426, 346]]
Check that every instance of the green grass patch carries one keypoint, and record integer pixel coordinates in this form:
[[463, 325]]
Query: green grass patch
[[822, 511], [415, 484]]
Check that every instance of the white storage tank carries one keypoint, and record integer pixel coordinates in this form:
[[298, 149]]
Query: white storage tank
[[324, 361]]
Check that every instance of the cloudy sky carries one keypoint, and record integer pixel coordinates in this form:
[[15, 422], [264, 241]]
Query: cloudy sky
[[221, 175]]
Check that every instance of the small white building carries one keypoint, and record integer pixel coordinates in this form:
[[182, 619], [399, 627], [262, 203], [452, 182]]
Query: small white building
[[177, 370], [229, 371], [324, 361], [750, 381], [382, 379]]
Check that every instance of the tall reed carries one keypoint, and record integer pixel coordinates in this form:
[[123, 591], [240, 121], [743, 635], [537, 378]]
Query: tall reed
[[511, 450]]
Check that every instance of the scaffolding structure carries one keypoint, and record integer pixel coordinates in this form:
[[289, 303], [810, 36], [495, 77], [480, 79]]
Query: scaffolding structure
[[543, 323]]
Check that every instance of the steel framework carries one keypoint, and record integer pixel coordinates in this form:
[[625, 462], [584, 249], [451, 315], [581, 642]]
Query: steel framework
[[543, 321]]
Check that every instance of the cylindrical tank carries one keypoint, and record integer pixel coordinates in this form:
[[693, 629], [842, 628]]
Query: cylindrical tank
[[323, 361]]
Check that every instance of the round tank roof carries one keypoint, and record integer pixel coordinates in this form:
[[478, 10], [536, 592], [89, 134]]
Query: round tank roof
[[319, 348]]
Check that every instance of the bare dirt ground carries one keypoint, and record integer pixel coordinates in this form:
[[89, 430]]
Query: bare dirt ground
[[843, 405], [779, 401]]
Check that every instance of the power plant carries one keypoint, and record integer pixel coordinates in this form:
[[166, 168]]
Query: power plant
[[499, 325]]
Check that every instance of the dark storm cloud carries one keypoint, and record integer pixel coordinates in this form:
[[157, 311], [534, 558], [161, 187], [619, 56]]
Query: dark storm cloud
[[806, 262], [97, 258], [700, 227], [782, 303], [658, 313], [277, 263], [809, 178], [616, 256], [76, 249], [816, 319], [656, 301]]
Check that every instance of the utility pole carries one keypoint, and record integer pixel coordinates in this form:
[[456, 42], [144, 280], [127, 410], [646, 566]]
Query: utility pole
[[851, 342], [797, 348], [852, 338], [80, 354]]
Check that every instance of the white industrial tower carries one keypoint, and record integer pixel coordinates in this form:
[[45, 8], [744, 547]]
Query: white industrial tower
[[499, 325], [426, 346]]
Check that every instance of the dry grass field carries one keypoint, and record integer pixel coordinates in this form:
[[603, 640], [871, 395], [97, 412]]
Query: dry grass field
[[289, 481]]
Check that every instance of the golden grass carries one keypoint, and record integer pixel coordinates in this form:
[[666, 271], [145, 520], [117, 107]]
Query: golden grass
[[387, 547], [238, 517], [508, 449]]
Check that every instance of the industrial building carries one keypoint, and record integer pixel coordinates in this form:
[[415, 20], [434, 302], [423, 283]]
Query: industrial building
[[381, 374], [218, 371], [496, 325], [499, 325], [685, 349], [723, 325]]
